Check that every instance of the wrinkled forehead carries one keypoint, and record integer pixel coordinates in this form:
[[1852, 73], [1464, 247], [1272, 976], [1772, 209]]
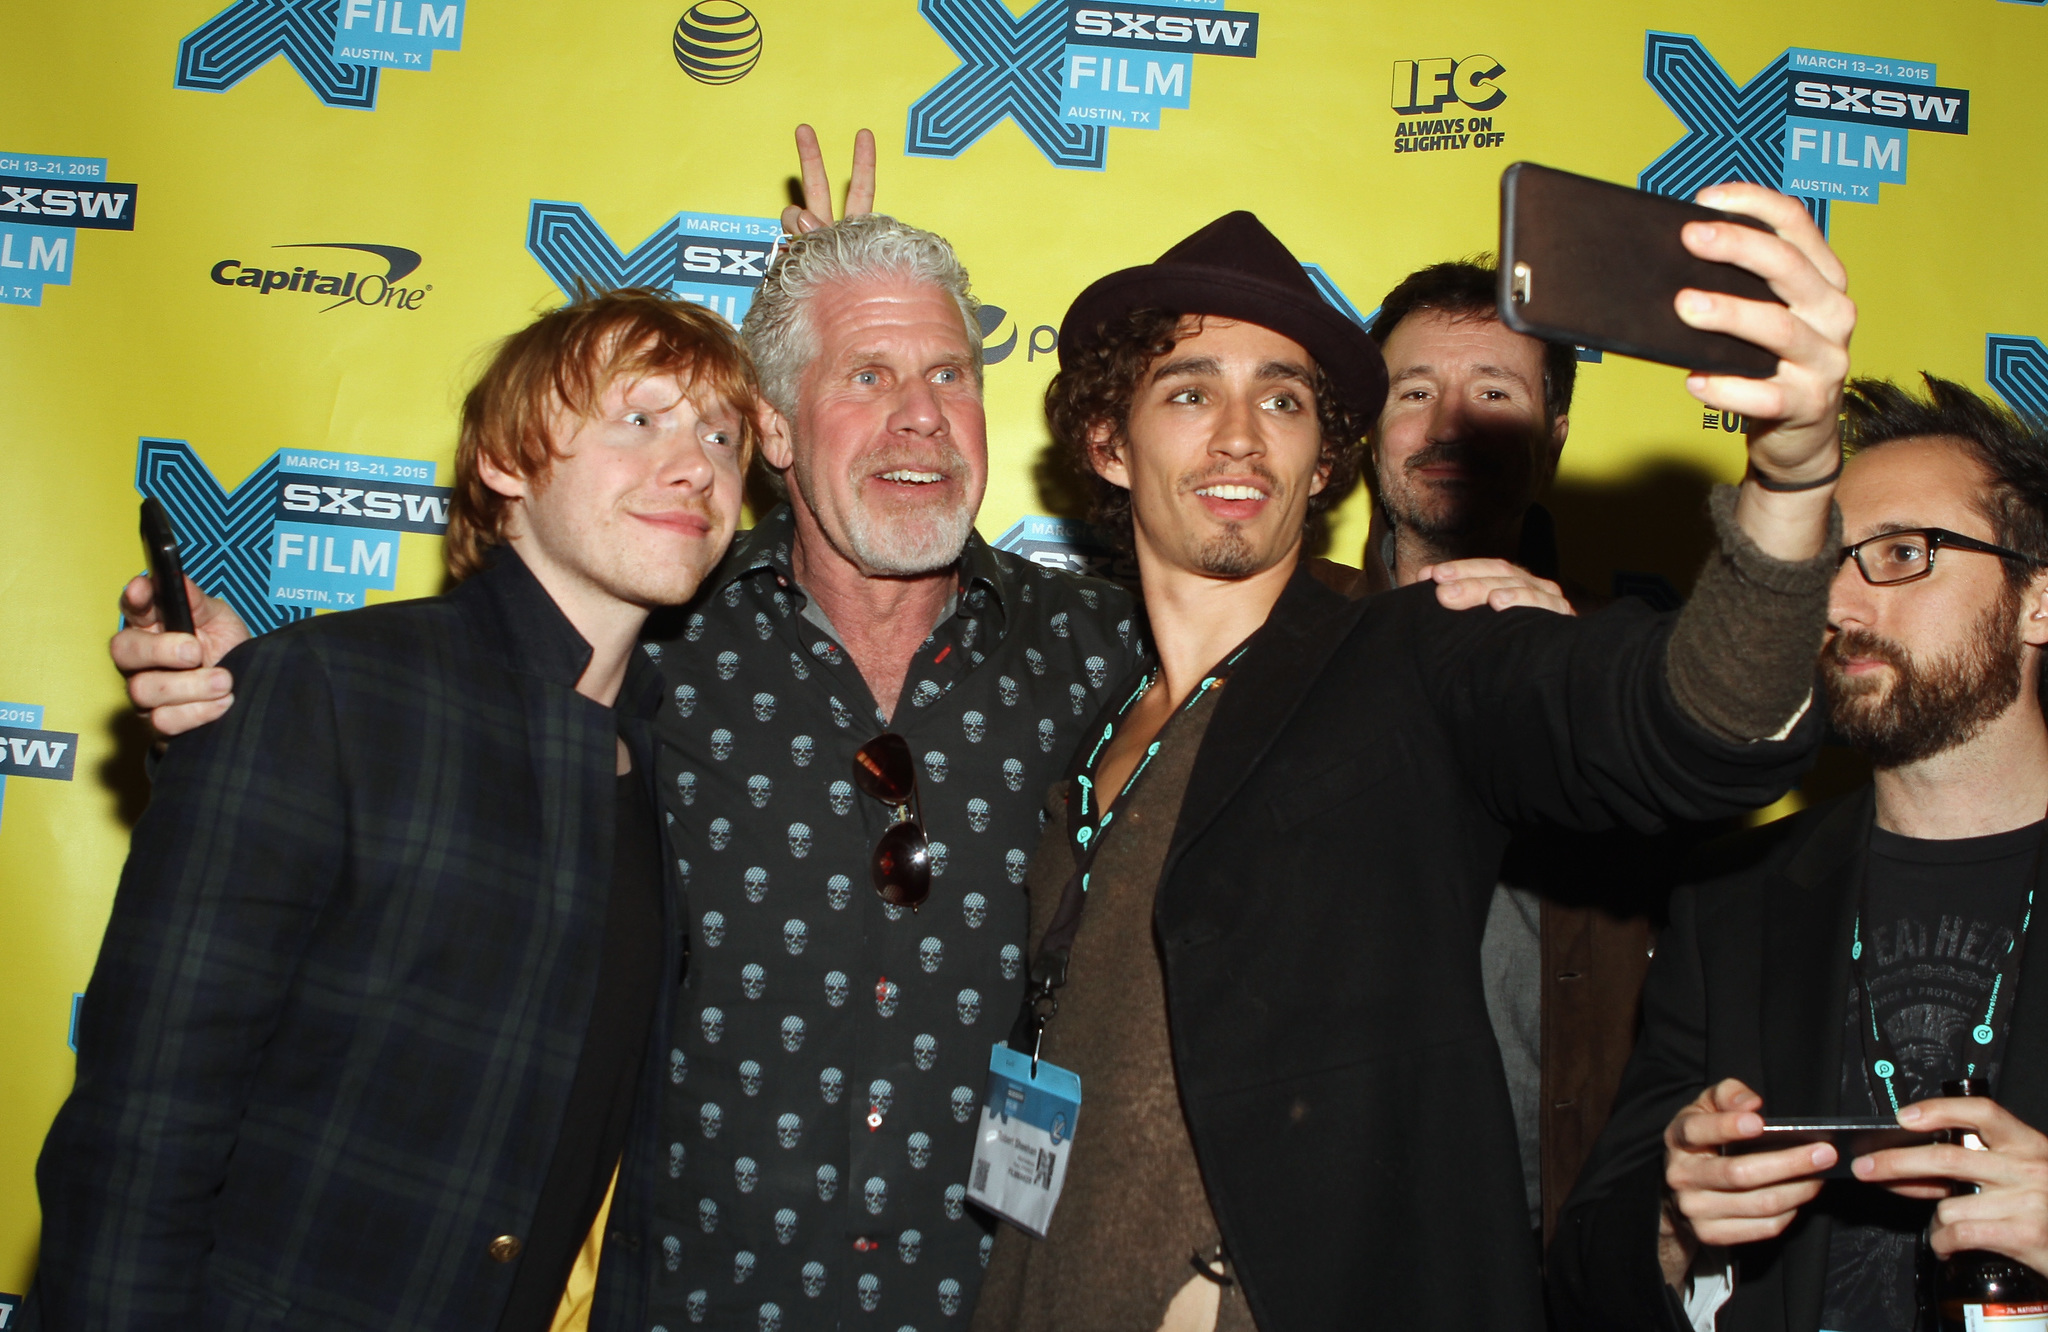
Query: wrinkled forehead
[[886, 312]]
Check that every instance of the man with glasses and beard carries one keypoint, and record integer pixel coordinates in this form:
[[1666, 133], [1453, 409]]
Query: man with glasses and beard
[[1852, 958]]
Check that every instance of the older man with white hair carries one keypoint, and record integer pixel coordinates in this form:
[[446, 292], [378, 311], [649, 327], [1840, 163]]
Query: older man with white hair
[[857, 925]]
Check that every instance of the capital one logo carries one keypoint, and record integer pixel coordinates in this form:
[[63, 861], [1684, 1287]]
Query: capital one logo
[[1827, 126], [337, 46], [1068, 71]]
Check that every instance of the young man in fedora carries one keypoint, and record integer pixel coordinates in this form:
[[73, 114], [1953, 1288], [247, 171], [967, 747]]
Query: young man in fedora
[[1259, 897]]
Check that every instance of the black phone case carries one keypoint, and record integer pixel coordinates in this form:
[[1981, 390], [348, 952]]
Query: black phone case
[[1852, 1138], [160, 540], [1598, 265]]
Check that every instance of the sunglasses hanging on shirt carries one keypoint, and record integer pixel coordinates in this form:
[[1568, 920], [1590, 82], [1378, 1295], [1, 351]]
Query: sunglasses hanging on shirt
[[902, 862]]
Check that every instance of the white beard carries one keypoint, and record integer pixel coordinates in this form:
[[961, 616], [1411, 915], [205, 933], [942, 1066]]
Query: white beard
[[929, 542]]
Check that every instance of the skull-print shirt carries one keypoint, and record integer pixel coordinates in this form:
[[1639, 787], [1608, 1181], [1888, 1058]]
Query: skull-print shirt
[[830, 1050]]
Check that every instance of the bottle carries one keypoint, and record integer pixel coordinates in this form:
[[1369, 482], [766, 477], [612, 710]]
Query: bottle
[[1980, 1291]]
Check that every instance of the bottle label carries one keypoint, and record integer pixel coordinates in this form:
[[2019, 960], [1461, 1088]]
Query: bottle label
[[2031, 1317]]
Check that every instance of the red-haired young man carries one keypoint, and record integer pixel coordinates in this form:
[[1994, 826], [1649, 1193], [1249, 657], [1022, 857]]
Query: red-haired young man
[[375, 1017]]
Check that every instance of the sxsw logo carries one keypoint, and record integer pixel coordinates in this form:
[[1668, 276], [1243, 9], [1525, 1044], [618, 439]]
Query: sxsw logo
[[369, 35], [349, 287], [1826, 126], [307, 530], [27, 750], [44, 201], [1068, 544], [711, 259], [337, 46], [2016, 365], [1066, 71]]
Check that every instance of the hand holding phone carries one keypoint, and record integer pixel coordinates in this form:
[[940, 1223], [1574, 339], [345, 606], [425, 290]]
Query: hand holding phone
[[173, 638], [1718, 1199], [1851, 1138], [166, 568], [1679, 282], [1601, 265]]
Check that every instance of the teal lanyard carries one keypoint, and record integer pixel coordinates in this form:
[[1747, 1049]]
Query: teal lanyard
[[1880, 1060], [1089, 817]]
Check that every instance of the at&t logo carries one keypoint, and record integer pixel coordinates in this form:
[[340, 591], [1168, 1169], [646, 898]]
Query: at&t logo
[[717, 41]]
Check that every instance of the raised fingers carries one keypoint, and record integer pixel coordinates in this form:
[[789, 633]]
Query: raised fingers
[[860, 190], [811, 163], [1784, 215]]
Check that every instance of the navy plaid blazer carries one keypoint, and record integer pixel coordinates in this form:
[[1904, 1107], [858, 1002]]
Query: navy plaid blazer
[[327, 1047]]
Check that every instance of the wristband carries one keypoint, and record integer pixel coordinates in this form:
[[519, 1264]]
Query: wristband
[[1793, 487]]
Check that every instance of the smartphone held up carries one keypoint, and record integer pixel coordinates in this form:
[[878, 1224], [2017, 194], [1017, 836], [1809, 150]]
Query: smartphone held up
[[1601, 265], [166, 568]]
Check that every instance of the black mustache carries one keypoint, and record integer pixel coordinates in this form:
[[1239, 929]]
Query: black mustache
[[1455, 452]]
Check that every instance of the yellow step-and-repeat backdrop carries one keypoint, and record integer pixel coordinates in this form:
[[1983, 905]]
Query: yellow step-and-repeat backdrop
[[249, 253]]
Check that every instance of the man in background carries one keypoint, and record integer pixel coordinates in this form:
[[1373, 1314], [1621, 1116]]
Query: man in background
[[1475, 420]]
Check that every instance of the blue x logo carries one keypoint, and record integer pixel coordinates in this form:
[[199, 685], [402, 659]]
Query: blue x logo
[[1731, 133], [2018, 368], [247, 35], [223, 536], [572, 248], [1011, 67]]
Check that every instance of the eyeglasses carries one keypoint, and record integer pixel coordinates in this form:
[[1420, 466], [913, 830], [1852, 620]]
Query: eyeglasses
[[1902, 557], [902, 864]]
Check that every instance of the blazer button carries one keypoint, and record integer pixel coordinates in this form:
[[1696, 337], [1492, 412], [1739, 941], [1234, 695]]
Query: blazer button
[[505, 1248]]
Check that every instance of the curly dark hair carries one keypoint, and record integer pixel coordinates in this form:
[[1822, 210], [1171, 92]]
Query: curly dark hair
[[1096, 384]]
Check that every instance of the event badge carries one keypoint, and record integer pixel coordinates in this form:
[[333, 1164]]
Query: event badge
[[1027, 1128]]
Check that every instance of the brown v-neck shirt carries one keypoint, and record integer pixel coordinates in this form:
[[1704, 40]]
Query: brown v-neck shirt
[[1134, 1208]]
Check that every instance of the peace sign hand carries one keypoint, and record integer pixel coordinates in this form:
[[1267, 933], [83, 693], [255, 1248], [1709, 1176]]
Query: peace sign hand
[[817, 206]]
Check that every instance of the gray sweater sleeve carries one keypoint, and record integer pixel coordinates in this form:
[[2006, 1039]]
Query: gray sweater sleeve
[[1741, 659]]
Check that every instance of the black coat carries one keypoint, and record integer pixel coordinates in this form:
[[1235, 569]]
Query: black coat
[[325, 1054], [1749, 982], [1320, 916]]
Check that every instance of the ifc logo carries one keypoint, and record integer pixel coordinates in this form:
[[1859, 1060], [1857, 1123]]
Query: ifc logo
[[718, 41]]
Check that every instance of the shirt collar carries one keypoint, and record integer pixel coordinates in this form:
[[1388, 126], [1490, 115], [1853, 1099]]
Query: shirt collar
[[537, 638]]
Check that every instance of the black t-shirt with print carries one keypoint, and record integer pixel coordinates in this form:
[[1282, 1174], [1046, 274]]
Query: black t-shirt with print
[[1942, 915]]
